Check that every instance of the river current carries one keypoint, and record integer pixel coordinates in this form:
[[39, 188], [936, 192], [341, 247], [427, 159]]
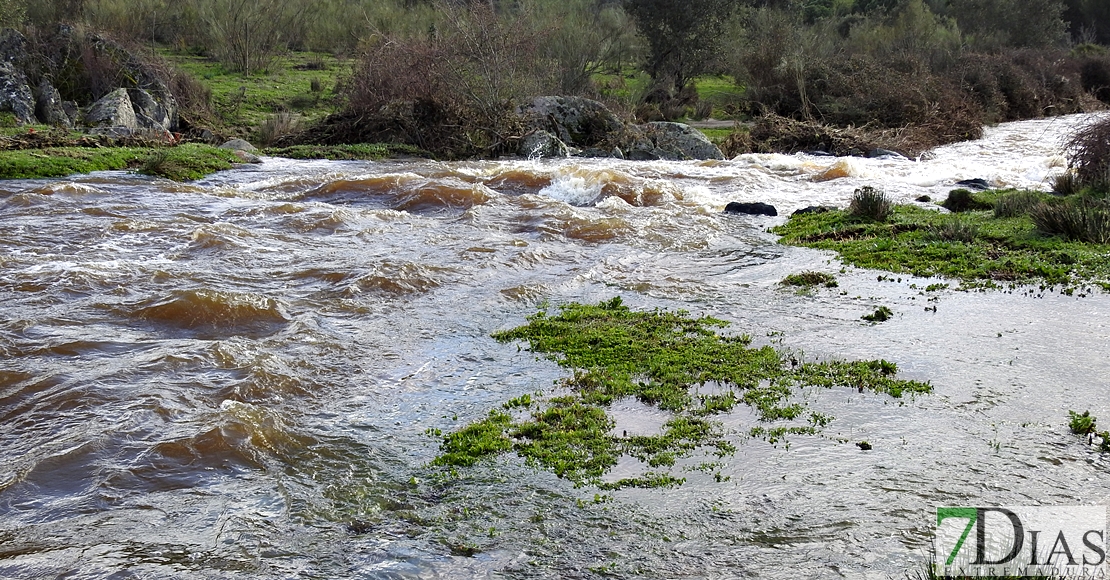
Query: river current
[[235, 377]]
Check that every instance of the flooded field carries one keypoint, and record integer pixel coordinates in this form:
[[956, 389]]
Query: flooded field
[[235, 378]]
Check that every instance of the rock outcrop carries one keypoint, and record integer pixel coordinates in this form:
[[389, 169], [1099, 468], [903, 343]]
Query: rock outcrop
[[576, 121], [15, 94], [51, 109], [671, 141], [585, 124], [29, 86], [540, 143], [112, 111]]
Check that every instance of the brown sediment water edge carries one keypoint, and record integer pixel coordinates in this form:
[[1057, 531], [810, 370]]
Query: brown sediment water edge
[[235, 377]]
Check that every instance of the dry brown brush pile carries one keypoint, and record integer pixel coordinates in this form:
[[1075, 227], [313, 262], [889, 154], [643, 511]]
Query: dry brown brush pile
[[454, 93]]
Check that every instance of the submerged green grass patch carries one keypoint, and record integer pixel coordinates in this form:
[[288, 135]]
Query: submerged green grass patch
[[669, 360], [975, 247]]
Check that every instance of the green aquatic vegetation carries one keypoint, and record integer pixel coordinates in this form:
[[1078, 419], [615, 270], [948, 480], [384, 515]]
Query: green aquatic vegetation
[[1001, 250], [881, 314], [810, 278], [661, 358], [1084, 424], [1081, 424]]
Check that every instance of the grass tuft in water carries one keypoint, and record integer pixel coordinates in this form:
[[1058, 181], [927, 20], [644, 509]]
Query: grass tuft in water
[[810, 278], [1084, 424], [660, 358], [881, 314], [870, 203]]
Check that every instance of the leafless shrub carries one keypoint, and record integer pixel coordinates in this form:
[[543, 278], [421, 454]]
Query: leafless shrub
[[277, 126], [454, 93], [1088, 151]]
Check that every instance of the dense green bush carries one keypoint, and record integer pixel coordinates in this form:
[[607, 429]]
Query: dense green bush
[[683, 38]]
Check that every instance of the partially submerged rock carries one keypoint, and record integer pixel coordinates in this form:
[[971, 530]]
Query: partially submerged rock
[[576, 121], [671, 141], [977, 184], [751, 208], [541, 143]]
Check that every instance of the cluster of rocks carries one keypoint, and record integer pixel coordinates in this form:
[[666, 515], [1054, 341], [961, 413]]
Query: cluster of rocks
[[576, 126], [29, 90]]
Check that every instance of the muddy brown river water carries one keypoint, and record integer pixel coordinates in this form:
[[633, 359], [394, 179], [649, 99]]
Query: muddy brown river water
[[234, 378]]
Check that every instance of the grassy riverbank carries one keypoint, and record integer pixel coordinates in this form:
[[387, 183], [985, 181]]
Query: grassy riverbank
[[181, 163], [993, 243]]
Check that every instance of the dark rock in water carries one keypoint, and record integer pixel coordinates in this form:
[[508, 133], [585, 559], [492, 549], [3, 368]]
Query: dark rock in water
[[245, 157], [637, 154], [812, 209], [819, 153], [924, 199], [884, 154], [594, 152], [976, 184], [751, 208]]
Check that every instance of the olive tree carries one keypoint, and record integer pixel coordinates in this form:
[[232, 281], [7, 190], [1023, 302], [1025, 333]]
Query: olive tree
[[683, 38]]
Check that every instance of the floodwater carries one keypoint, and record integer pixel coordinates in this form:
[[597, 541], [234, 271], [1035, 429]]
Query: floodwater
[[234, 378]]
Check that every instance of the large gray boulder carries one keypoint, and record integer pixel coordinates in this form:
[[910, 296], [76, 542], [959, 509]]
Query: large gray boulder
[[50, 108], [150, 113], [239, 145], [575, 121], [672, 141], [113, 111], [129, 110], [540, 143], [13, 48], [15, 94]]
